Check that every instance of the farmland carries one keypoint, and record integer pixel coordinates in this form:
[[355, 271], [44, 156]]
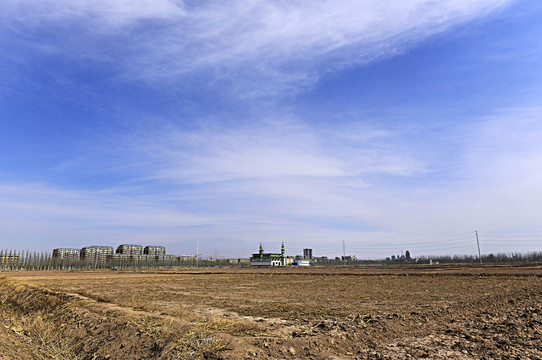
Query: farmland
[[387, 312]]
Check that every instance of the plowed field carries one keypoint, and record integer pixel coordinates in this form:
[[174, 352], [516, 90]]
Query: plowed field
[[393, 312]]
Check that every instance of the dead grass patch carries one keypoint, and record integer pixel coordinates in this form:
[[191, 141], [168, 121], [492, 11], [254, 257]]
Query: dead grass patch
[[58, 326]]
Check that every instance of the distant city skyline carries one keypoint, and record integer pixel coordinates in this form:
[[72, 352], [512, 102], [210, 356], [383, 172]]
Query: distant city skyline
[[384, 126]]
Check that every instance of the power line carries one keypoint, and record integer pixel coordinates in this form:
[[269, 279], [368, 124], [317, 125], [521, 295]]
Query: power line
[[513, 236]]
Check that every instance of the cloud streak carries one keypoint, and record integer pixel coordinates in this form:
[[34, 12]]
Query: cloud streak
[[182, 187], [280, 149], [256, 47]]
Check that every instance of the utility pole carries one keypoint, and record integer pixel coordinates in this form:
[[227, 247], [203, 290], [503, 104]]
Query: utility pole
[[197, 252], [344, 253], [478, 243]]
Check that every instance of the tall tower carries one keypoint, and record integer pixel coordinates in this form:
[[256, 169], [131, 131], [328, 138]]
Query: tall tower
[[282, 257]]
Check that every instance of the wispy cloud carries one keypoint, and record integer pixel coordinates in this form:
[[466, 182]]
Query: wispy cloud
[[102, 16], [35, 213], [275, 46], [278, 180], [371, 181], [274, 150], [284, 181]]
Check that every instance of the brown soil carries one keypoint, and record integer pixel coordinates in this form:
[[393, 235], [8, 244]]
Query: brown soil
[[397, 312]]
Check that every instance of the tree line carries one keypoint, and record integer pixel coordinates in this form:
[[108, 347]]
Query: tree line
[[41, 260]]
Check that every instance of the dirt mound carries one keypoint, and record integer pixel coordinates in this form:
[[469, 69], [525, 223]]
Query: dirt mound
[[42, 324]]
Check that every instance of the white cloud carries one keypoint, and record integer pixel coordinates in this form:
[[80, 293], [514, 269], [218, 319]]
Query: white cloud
[[273, 150], [192, 187], [31, 212], [100, 15], [271, 181], [489, 178], [261, 47]]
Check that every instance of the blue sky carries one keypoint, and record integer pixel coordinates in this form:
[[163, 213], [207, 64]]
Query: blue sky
[[389, 126]]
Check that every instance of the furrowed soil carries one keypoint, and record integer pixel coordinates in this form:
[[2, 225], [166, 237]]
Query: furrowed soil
[[388, 312]]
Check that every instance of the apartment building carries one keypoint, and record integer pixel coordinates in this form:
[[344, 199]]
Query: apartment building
[[128, 249], [154, 250], [96, 254], [66, 254]]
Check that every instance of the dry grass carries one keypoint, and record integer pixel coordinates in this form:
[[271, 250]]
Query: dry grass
[[57, 326], [32, 313]]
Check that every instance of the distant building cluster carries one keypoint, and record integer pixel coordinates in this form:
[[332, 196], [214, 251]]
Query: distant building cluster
[[139, 256], [125, 253], [262, 258], [400, 258]]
